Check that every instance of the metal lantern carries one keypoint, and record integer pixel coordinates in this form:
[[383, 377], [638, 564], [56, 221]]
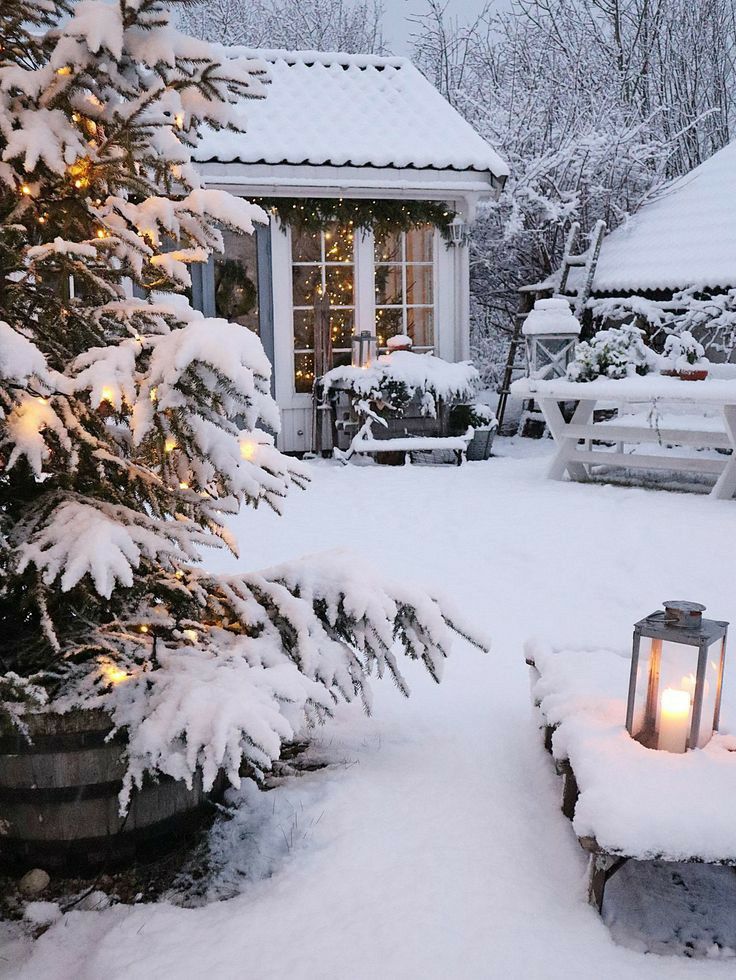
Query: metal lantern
[[676, 678], [365, 346], [458, 231], [551, 331]]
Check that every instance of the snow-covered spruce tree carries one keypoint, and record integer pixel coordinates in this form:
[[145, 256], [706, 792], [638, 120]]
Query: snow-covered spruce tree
[[131, 428]]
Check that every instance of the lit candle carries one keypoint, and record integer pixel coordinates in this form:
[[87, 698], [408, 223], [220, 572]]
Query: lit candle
[[674, 720]]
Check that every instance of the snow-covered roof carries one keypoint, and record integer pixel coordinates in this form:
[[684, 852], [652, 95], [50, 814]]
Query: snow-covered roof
[[685, 237], [351, 110]]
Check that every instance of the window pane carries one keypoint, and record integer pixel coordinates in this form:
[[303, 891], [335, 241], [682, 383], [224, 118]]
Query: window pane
[[341, 329], [303, 372], [388, 324], [341, 358], [388, 247], [419, 285], [340, 285], [307, 281], [306, 246], [236, 280], [420, 244], [420, 326], [388, 285], [339, 243], [303, 329]]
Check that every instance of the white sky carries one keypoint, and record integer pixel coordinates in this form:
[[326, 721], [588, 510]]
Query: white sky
[[397, 12]]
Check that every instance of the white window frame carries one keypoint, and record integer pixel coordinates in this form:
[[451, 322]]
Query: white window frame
[[364, 295], [405, 306]]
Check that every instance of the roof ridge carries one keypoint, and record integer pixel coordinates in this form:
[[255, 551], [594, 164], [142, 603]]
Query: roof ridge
[[326, 58]]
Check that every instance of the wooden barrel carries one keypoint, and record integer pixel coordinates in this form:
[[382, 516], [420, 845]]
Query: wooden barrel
[[59, 805]]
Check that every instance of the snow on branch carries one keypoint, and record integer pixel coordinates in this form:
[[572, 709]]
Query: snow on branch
[[272, 655]]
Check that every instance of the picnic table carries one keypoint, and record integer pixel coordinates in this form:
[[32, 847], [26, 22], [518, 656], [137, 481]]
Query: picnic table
[[627, 802], [695, 415]]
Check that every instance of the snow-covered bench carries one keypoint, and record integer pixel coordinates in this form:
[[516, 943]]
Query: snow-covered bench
[[366, 443], [708, 422], [627, 802]]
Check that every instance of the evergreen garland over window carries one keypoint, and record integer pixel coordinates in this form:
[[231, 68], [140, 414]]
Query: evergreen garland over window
[[381, 217]]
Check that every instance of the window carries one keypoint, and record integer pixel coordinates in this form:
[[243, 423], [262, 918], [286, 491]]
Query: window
[[345, 282], [236, 281], [404, 286], [323, 264]]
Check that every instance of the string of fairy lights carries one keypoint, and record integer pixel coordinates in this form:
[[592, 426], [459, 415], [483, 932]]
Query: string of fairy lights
[[323, 257]]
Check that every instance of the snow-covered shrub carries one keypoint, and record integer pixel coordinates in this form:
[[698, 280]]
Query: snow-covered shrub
[[709, 318], [682, 351], [477, 416], [615, 353], [131, 429], [388, 386]]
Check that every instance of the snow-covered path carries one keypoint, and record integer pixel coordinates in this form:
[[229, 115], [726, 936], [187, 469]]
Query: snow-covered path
[[438, 849]]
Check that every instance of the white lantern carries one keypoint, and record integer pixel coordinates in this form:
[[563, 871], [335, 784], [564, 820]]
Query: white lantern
[[458, 231], [551, 331]]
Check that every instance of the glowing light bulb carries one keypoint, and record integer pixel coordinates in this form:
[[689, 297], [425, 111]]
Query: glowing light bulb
[[143, 628], [190, 634], [25, 189], [101, 233], [179, 573], [170, 445], [64, 70], [179, 120], [153, 394], [107, 395], [183, 485], [114, 674], [248, 449]]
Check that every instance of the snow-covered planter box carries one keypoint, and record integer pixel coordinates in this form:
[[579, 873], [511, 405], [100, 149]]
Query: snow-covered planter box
[[405, 393]]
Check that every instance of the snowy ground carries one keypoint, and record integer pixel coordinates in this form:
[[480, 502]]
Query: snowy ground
[[434, 846]]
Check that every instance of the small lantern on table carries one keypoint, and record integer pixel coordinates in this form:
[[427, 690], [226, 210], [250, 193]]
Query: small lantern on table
[[365, 346], [676, 678]]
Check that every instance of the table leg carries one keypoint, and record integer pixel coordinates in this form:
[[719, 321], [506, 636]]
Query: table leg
[[566, 445], [726, 483]]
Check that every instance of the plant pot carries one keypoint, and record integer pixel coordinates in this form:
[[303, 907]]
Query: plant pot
[[480, 445], [59, 799], [686, 374]]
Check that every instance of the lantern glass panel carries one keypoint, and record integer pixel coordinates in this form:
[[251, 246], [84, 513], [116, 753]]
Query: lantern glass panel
[[710, 692]]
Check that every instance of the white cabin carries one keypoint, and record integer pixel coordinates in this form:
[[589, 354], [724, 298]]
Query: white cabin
[[346, 128]]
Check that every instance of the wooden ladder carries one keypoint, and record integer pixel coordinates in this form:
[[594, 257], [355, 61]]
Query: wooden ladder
[[517, 339], [587, 260]]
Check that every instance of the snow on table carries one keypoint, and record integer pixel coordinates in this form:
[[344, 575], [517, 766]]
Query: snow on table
[[712, 396], [633, 802]]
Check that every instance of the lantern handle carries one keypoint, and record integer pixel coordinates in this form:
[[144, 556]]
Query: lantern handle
[[684, 614]]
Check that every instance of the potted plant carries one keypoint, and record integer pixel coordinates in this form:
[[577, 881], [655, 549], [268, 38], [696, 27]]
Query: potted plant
[[684, 358], [484, 423]]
